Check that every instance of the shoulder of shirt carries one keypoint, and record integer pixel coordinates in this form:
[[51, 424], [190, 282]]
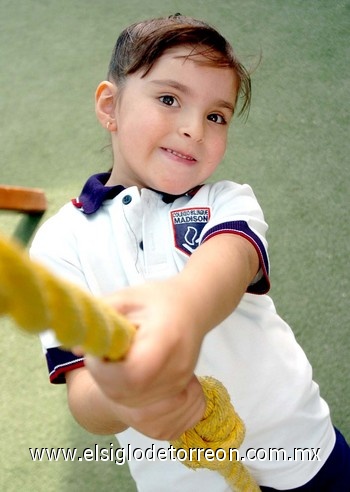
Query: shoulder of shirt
[[67, 216], [64, 223], [224, 186]]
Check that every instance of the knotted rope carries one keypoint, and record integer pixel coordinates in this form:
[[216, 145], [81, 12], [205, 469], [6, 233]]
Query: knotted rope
[[36, 299]]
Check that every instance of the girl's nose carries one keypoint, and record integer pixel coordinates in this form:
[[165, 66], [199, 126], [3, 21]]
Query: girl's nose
[[193, 128], [195, 137]]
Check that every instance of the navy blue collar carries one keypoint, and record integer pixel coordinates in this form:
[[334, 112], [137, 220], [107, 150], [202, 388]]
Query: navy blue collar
[[94, 193]]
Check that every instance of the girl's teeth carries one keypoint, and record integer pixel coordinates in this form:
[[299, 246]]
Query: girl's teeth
[[180, 155]]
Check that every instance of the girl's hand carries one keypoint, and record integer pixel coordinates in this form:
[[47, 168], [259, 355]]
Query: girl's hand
[[164, 352], [166, 419]]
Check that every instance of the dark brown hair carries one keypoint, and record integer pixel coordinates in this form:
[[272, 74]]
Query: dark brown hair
[[140, 45]]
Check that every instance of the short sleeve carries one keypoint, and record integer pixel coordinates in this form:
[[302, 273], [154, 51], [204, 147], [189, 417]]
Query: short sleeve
[[54, 247], [235, 210]]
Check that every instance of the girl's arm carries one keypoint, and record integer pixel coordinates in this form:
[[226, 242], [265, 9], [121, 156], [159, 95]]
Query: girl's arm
[[90, 407], [165, 419]]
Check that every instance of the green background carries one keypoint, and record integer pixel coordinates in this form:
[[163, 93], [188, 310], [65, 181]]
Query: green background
[[294, 151]]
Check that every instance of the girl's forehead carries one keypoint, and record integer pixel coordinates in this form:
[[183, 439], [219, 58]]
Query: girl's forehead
[[186, 58], [184, 61]]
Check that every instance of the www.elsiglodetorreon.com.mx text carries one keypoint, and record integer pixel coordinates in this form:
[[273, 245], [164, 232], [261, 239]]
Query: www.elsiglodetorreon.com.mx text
[[120, 455]]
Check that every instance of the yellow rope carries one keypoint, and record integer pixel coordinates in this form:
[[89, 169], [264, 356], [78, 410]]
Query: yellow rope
[[36, 299], [218, 435]]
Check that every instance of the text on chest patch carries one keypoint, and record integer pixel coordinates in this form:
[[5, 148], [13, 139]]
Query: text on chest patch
[[188, 224]]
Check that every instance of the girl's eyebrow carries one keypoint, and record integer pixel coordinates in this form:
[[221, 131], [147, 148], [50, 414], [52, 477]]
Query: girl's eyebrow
[[175, 84]]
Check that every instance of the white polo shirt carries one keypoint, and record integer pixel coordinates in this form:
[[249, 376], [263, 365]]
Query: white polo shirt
[[111, 237]]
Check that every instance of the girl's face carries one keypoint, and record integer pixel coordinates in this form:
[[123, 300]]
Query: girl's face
[[172, 124]]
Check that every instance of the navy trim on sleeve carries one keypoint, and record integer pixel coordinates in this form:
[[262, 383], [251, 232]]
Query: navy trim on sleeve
[[240, 227], [59, 362]]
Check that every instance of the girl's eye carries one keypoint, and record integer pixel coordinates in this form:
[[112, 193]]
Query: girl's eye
[[169, 100], [217, 118]]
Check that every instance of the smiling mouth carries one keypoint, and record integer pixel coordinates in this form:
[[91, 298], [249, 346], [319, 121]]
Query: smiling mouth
[[181, 156]]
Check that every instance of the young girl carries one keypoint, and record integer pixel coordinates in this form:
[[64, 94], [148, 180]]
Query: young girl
[[187, 263]]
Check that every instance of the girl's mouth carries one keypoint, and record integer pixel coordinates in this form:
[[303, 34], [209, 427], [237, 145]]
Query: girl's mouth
[[178, 154]]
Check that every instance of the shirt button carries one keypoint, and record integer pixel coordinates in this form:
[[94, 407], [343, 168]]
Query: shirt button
[[126, 199]]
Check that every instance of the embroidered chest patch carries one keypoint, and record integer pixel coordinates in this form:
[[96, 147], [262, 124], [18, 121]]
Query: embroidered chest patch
[[188, 224]]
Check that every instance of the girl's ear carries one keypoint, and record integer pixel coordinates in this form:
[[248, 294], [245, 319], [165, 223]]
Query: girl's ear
[[105, 101]]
